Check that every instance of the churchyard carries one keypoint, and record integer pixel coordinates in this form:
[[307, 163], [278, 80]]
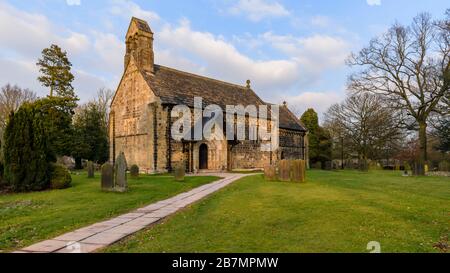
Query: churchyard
[[331, 211], [27, 218], [334, 211]]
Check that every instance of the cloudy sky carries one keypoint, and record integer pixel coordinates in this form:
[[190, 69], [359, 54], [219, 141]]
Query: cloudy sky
[[292, 50]]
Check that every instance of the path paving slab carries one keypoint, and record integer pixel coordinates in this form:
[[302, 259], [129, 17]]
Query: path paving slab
[[46, 246], [104, 238], [78, 247], [143, 221], [74, 236], [99, 235], [132, 215], [126, 229]]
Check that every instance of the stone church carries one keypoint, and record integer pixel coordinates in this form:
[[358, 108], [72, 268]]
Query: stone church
[[140, 117]]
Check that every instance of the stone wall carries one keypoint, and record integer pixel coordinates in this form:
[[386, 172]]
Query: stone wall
[[131, 117], [248, 155], [292, 145]]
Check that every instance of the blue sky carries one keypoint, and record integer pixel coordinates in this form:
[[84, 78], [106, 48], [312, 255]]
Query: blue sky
[[291, 50]]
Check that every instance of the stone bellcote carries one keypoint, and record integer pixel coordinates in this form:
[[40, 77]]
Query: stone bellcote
[[139, 44]]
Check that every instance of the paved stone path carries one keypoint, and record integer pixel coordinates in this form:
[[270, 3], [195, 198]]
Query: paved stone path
[[99, 235]]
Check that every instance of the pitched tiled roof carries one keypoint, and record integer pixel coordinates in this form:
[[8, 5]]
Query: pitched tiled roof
[[289, 121], [177, 87], [141, 24]]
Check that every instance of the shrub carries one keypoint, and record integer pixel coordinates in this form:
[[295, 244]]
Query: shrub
[[60, 178], [27, 154], [134, 171], [374, 166], [444, 166], [317, 165], [408, 167]]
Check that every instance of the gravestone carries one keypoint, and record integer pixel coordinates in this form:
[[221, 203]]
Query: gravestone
[[90, 169], [180, 171], [328, 165], [270, 173], [284, 170], [134, 171], [107, 177], [302, 166], [298, 171], [120, 183]]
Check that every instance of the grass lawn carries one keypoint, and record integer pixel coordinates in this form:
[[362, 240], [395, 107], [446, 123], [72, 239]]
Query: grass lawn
[[31, 217], [333, 212]]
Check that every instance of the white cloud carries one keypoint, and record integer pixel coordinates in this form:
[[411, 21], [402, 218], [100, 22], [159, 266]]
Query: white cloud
[[314, 54], [73, 2], [21, 73], [319, 101], [306, 61], [374, 2], [256, 10], [98, 56], [320, 21], [109, 51], [222, 60], [128, 9], [28, 34]]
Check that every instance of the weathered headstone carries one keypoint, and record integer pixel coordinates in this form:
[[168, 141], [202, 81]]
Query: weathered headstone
[[120, 173], [270, 173], [134, 171], [328, 165], [90, 169], [107, 177], [298, 171], [284, 170], [180, 171]]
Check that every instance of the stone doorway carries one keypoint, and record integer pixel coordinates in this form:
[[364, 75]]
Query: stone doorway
[[203, 157]]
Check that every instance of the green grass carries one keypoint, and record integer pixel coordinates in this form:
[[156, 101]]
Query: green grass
[[333, 212], [31, 217]]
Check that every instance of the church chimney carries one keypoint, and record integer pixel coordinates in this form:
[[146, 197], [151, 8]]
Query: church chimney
[[139, 45], [249, 84]]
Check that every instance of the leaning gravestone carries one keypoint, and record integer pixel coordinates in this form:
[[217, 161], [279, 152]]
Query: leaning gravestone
[[121, 173], [284, 171], [107, 177], [180, 171], [90, 169], [270, 173]]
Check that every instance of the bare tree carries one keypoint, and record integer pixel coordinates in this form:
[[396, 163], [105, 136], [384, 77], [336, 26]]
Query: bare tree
[[103, 101], [364, 122], [410, 67], [11, 98]]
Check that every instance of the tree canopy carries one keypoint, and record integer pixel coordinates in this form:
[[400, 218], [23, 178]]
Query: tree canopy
[[27, 153], [91, 137], [367, 125], [319, 139], [55, 68], [410, 67]]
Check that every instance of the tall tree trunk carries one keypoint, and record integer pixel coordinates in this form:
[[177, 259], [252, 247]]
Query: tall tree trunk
[[423, 156]]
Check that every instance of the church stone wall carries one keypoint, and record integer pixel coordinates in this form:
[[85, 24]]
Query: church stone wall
[[292, 145], [248, 155], [131, 120]]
